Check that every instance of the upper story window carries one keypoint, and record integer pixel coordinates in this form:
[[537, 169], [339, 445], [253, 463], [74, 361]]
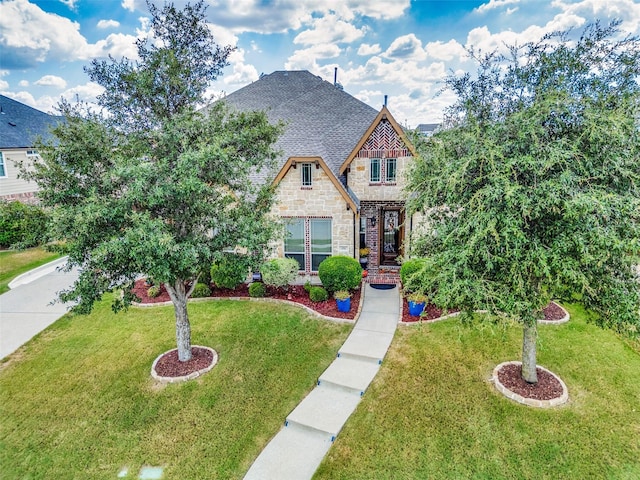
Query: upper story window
[[390, 170], [374, 170], [3, 169], [32, 154], [307, 179]]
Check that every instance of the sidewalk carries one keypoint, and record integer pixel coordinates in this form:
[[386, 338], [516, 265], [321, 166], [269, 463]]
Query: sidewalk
[[26, 310], [297, 450]]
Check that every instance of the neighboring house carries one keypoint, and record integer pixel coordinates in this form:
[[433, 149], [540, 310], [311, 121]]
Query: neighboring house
[[341, 172], [428, 129], [20, 126]]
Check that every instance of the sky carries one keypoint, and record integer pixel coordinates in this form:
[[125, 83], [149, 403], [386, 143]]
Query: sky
[[399, 48]]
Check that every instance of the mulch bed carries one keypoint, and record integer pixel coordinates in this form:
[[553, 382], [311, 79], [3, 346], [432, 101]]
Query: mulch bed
[[295, 293], [547, 388], [552, 312], [170, 366]]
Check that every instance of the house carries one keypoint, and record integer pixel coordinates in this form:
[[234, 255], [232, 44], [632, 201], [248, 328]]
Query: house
[[20, 126], [341, 172], [428, 129]]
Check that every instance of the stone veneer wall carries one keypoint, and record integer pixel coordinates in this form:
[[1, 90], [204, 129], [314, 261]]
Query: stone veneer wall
[[358, 179], [323, 200]]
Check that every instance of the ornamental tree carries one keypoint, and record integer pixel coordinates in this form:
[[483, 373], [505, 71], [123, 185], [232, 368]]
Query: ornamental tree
[[533, 189], [150, 185]]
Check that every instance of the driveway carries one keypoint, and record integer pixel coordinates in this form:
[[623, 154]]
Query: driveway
[[26, 310]]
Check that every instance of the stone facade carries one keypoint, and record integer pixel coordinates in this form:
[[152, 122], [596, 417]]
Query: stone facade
[[320, 200], [359, 176]]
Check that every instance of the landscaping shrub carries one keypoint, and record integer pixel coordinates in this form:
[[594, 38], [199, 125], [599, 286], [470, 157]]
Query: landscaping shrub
[[22, 225], [201, 290], [318, 294], [409, 267], [153, 291], [279, 272], [230, 271], [307, 286], [205, 275], [257, 290], [340, 273]]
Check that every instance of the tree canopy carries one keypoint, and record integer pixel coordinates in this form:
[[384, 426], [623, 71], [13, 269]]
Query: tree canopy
[[150, 185], [533, 189]]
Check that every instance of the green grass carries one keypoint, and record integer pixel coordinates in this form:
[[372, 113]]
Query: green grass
[[15, 262], [432, 413], [78, 401]]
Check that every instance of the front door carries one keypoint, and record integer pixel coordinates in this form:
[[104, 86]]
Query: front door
[[391, 236]]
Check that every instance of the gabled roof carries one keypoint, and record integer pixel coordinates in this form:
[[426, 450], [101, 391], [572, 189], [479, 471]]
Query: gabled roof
[[20, 124], [321, 120], [346, 195], [384, 114]]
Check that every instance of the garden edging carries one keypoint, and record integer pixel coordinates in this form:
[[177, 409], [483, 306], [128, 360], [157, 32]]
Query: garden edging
[[271, 300], [554, 402]]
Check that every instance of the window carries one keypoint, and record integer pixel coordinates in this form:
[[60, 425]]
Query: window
[[320, 241], [294, 241], [308, 241], [375, 170], [363, 231], [32, 154], [3, 169], [306, 175], [391, 169]]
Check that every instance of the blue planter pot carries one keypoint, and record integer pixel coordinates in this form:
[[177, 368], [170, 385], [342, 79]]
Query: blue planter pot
[[344, 305], [415, 308]]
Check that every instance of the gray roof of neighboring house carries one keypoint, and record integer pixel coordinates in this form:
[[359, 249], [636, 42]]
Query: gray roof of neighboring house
[[20, 124], [428, 127], [320, 118]]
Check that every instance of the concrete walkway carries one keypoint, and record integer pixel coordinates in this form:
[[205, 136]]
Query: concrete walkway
[[26, 309], [297, 450]]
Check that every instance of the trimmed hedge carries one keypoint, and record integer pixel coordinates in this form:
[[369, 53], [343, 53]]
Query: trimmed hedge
[[318, 294], [22, 225], [153, 291], [230, 271], [410, 267], [340, 273], [201, 290], [257, 290], [279, 272]]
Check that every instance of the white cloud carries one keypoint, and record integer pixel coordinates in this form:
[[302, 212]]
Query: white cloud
[[23, 83], [406, 47], [4, 84], [116, 44], [108, 24], [129, 5], [329, 29], [242, 73], [370, 97], [485, 7], [445, 51], [626, 10], [51, 81], [28, 35], [70, 3], [305, 59], [366, 49], [223, 36]]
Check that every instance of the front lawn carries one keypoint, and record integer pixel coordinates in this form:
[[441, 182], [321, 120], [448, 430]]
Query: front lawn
[[432, 413], [16, 262], [78, 400]]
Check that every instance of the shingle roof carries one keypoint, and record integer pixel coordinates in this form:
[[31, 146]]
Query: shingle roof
[[321, 119], [20, 124]]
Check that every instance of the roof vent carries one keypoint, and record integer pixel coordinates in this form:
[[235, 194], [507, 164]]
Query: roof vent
[[12, 124]]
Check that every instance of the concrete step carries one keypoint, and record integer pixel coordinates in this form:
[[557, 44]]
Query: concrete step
[[351, 374], [325, 409], [293, 454], [366, 345]]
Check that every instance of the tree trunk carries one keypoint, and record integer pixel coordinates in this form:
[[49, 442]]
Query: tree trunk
[[179, 296], [529, 340]]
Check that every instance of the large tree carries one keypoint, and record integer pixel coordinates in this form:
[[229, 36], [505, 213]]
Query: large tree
[[149, 185], [533, 189]]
